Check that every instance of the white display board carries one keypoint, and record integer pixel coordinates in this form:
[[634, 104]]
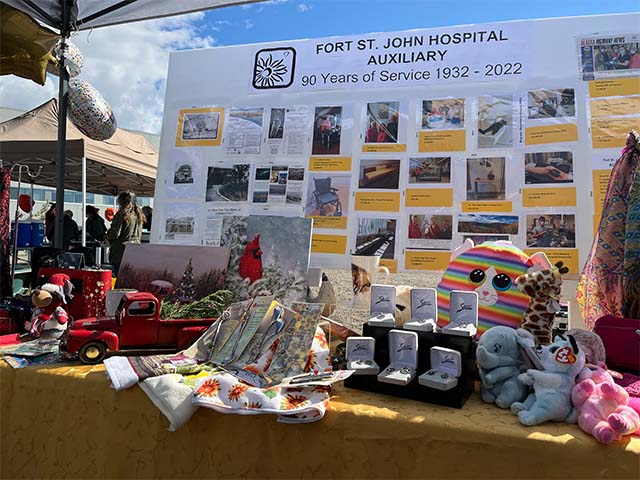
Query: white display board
[[402, 144]]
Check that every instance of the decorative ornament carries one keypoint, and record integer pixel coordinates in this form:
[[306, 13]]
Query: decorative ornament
[[89, 112], [109, 214], [73, 60]]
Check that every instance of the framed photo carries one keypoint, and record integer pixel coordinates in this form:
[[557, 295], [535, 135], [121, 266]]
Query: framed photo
[[200, 127]]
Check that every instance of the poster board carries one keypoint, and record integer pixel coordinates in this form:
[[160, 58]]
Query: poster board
[[402, 144]]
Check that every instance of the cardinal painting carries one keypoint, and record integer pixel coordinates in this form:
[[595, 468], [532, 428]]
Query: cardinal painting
[[251, 261]]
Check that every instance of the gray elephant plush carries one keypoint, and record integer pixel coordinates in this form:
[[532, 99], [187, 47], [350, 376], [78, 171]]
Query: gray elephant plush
[[501, 358]]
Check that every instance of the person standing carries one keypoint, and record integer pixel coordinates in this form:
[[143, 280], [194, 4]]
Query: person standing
[[126, 228], [96, 228], [148, 215]]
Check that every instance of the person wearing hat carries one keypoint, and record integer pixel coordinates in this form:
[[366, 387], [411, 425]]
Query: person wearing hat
[[96, 228]]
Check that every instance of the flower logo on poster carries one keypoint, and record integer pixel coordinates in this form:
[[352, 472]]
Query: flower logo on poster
[[274, 68]]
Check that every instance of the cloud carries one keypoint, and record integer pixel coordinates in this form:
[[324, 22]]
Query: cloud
[[248, 24], [303, 7], [126, 63]]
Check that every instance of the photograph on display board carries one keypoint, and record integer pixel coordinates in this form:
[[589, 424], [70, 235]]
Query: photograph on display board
[[181, 273], [180, 222], [269, 256], [383, 174], [200, 126], [485, 223], [495, 121], [443, 114], [183, 173], [485, 178], [278, 183], [551, 231], [376, 236], [545, 103], [478, 239], [607, 56], [430, 231], [276, 123], [327, 131], [244, 131], [430, 170], [548, 167], [295, 179], [228, 184], [328, 195], [382, 122]]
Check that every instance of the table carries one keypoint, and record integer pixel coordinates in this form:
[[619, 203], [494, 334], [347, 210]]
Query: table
[[66, 422]]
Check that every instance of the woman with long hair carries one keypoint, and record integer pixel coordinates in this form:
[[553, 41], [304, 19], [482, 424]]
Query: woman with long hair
[[126, 228]]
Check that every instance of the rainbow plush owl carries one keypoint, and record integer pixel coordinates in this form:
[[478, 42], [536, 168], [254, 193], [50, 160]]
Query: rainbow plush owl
[[490, 269]]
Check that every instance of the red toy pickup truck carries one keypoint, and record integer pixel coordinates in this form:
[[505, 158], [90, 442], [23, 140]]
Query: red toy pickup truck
[[137, 325]]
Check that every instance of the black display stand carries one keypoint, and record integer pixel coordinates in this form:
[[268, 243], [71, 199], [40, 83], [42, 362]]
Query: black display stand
[[456, 397]]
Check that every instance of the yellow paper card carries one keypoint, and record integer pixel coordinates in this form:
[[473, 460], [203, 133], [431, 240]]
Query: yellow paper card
[[568, 256], [390, 263], [384, 147], [442, 141], [607, 107], [328, 243], [378, 201], [426, 260], [614, 87], [600, 183], [429, 197], [549, 197], [200, 127], [329, 222], [565, 132], [612, 132], [330, 164], [504, 206]]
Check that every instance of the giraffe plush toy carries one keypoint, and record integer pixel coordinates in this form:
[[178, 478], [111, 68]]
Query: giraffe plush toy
[[543, 286]]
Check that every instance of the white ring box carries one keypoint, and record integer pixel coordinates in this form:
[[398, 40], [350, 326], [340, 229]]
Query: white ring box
[[424, 310], [382, 306], [403, 358], [360, 352], [463, 314], [446, 368]]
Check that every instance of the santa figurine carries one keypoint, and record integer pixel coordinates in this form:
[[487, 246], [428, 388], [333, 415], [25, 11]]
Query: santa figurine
[[49, 318]]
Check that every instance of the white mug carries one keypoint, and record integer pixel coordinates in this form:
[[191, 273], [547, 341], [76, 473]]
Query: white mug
[[364, 273]]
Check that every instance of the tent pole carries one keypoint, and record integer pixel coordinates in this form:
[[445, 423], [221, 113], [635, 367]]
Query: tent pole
[[84, 201], [62, 127]]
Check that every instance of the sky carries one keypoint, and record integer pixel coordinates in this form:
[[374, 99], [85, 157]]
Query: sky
[[128, 63]]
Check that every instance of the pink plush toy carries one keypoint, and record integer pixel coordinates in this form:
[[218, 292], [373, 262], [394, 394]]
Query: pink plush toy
[[602, 407]]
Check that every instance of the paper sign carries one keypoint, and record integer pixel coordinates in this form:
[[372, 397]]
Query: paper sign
[[607, 107], [596, 222], [429, 197], [565, 132], [504, 206], [549, 197], [328, 244], [442, 141], [600, 183], [329, 222], [568, 256], [384, 147], [425, 260], [330, 164], [612, 132], [378, 201], [390, 263], [614, 87]]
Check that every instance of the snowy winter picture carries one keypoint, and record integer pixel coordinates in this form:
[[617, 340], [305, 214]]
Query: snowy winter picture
[[181, 273], [269, 256]]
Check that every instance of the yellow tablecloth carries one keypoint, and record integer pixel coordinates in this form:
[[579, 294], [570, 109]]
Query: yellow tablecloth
[[66, 422]]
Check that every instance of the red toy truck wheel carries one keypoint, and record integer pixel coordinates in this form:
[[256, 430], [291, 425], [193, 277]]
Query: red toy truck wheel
[[92, 352]]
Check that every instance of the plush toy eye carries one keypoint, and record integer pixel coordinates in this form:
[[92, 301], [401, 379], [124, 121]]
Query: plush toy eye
[[477, 276], [553, 349], [501, 282], [496, 348]]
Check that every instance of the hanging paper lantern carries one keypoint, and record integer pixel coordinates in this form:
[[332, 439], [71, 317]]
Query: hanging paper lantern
[[89, 112], [73, 60], [109, 214], [25, 202]]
